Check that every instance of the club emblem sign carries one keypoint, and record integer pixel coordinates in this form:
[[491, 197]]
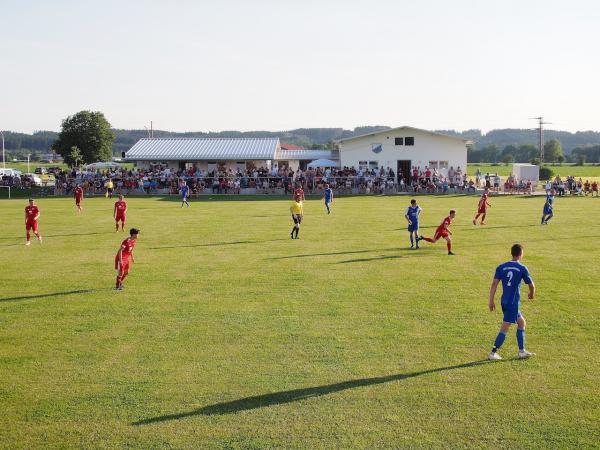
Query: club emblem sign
[[376, 148]]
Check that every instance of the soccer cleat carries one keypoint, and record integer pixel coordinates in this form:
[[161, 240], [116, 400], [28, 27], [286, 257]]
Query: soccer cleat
[[493, 356], [450, 253], [474, 222], [417, 247], [524, 354], [39, 239], [412, 245], [28, 243]]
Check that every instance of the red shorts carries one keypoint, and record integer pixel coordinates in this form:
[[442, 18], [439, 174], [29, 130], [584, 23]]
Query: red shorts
[[481, 210], [31, 225], [120, 217], [125, 267], [440, 234], [77, 200]]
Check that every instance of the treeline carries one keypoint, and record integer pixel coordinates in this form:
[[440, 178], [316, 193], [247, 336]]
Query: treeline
[[494, 146]]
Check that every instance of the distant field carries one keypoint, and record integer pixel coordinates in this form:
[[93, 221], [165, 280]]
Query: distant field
[[23, 166], [588, 170], [231, 335]]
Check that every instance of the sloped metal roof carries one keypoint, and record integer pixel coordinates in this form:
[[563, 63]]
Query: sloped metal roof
[[307, 154], [194, 149]]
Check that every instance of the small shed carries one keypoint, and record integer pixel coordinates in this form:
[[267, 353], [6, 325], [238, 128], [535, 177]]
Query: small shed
[[525, 172]]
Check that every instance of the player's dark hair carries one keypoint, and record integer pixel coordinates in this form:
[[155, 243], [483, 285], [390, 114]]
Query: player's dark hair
[[30, 199], [134, 231], [413, 201], [516, 250], [452, 211]]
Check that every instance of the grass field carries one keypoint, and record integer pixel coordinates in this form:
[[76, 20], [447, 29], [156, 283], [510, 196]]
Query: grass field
[[588, 170], [231, 335]]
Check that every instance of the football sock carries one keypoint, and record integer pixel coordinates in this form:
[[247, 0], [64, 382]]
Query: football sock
[[549, 217], [412, 242], [297, 230], [28, 236], [499, 341], [449, 245], [521, 338], [427, 239]]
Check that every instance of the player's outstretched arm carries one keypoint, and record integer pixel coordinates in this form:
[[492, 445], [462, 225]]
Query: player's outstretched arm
[[493, 288], [531, 294]]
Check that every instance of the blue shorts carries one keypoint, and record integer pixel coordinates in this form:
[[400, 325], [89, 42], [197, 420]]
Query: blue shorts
[[547, 210], [511, 313], [327, 201], [413, 227], [184, 198]]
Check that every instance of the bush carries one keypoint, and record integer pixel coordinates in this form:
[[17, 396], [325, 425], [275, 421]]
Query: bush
[[546, 173], [580, 160]]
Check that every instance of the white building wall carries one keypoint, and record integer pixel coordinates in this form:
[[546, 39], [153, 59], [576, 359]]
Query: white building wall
[[427, 148]]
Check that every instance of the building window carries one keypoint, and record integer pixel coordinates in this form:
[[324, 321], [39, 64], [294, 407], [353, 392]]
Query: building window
[[443, 165], [409, 141], [373, 165], [399, 141], [362, 165]]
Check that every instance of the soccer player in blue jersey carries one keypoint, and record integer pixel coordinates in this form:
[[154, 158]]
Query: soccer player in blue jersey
[[548, 212], [412, 217], [185, 191], [511, 274], [328, 196]]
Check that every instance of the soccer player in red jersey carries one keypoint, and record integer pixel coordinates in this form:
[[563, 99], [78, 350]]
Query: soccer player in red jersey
[[443, 232], [299, 192], [78, 193], [32, 214], [122, 259], [482, 207], [119, 213]]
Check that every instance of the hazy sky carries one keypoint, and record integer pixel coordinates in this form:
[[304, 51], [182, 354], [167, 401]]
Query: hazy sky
[[276, 65]]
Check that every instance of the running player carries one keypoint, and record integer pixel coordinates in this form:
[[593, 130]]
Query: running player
[[119, 212], [328, 196], [511, 274], [123, 255], [297, 210], [78, 193], [548, 212], [442, 232], [32, 214], [482, 207], [412, 217], [185, 190]]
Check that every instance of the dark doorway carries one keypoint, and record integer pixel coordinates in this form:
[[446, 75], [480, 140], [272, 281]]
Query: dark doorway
[[404, 169]]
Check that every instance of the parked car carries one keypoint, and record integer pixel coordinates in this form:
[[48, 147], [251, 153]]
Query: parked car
[[40, 170], [32, 178], [10, 173]]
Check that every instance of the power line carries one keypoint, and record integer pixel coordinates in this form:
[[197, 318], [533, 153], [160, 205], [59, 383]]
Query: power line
[[541, 124]]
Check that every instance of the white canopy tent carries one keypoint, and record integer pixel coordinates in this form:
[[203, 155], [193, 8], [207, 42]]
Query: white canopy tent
[[103, 165], [526, 172], [323, 163]]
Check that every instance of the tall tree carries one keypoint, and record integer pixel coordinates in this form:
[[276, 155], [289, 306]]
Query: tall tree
[[90, 132], [552, 150]]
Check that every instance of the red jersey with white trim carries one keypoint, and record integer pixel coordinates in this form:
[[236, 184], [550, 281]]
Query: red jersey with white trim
[[483, 202], [31, 212], [78, 192], [444, 225], [127, 247], [121, 206]]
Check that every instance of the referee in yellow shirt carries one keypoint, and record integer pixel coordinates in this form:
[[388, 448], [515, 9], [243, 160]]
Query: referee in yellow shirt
[[109, 188], [297, 210]]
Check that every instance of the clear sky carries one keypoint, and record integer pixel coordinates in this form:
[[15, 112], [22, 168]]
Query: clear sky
[[278, 64]]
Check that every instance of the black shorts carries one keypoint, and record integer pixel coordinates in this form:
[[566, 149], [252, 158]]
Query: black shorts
[[297, 218]]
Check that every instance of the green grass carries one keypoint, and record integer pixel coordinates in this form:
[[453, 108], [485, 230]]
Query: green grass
[[231, 335], [588, 170]]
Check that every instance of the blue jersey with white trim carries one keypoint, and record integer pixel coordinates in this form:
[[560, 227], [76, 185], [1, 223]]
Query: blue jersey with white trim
[[511, 274], [413, 213], [184, 190], [328, 194]]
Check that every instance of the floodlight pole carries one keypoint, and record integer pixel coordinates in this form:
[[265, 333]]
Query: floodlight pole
[[3, 159]]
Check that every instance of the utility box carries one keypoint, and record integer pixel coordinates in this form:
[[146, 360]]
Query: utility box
[[526, 172]]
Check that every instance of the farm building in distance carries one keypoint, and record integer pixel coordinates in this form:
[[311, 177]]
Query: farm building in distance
[[222, 153], [404, 147]]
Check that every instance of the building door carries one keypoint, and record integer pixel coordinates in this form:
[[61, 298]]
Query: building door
[[404, 169]]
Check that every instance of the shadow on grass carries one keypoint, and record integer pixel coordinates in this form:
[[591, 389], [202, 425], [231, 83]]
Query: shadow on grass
[[54, 294], [351, 252], [294, 395], [375, 258], [22, 237], [216, 244]]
